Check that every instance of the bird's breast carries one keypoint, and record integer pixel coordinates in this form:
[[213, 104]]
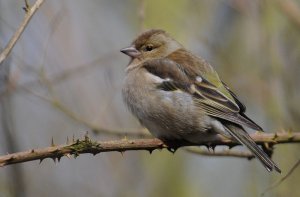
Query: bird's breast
[[167, 114]]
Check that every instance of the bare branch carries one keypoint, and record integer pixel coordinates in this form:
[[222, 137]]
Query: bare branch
[[56, 103], [27, 6], [283, 178], [222, 153], [94, 147], [30, 11]]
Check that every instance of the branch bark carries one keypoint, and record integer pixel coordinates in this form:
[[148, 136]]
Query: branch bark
[[221, 153], [30, 11], [86, 145]]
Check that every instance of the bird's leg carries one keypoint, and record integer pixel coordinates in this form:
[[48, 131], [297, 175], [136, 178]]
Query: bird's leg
[[173, 145]]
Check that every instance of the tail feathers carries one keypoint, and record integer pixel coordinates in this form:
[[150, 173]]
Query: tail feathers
[[243, 137]]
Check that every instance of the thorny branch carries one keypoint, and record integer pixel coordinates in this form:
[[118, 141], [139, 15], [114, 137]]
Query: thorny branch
[[30, 11], [87, 145], [221, 153]]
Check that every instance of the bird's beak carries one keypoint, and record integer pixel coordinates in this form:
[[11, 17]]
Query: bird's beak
[[131, 51]]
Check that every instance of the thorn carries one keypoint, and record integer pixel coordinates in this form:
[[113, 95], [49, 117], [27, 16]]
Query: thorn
[[172, 150], [32, 151], [25, 9], [54, 159], [122, 153], [68, 155], [73, 139], [41, 160], [58, 158], [207, 146], [27, 6], [125, 138], [275, 136], [75, 155], [230, 146], [68, 140], [11, 158], [268, 149], [150, 151], [52, 142], [212, 148], [251, 157], [86, 136]]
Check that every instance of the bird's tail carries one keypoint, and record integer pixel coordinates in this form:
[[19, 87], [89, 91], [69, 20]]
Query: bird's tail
[[244, 138]]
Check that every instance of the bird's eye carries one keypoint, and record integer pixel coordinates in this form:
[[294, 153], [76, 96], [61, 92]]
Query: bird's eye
[[149, 48]]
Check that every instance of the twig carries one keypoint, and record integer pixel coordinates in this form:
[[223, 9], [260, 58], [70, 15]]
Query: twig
[[94, 147], [30, 11], [27, 6], [282, 179], [140, 133], [222, 153]]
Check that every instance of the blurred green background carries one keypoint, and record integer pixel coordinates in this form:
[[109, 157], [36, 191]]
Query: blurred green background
[[65, 74]]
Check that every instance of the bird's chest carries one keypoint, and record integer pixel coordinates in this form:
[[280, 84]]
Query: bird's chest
[[144, 98], [137, 92], [166, 114]]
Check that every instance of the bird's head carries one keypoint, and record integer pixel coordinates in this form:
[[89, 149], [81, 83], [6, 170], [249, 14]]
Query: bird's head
[[151, 44]]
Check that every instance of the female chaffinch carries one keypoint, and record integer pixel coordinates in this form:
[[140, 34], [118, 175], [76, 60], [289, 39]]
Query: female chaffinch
[[178, 96]]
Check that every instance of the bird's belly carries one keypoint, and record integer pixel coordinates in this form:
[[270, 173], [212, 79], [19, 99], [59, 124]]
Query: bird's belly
[[166, 114]]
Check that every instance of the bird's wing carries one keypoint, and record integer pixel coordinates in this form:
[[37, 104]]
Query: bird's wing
[[240, 104], [217, 101], [218, 105]]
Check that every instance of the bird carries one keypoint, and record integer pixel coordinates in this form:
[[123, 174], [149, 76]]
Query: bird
[[179, 97]]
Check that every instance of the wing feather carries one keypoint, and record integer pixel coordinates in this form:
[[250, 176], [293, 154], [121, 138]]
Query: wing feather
[[217, 101]]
